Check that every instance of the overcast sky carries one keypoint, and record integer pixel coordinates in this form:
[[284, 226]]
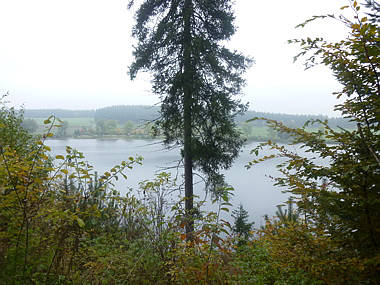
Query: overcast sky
[[75, 54]]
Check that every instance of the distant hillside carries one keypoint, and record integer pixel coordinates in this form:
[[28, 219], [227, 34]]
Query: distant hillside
[[123, 113], [141, 113]]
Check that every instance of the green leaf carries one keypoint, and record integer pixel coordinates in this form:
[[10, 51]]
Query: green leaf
[[80, 222]]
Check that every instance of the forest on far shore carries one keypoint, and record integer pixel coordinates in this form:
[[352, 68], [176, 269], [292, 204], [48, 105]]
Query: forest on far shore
[[136, 121]]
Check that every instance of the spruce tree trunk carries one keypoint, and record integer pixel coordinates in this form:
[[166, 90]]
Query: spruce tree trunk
[[187, 102]]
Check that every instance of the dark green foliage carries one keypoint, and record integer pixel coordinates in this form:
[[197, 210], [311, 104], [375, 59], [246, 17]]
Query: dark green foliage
[[241, 225], [374, 6], [196, 78]]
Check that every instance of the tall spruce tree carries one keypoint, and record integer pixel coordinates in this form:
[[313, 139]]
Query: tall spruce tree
[[196, 77]]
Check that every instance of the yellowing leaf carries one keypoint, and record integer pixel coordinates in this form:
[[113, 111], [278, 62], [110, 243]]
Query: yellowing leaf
[[64, 171], [355, 26], [344, 7], [59, 157], [364, 19]]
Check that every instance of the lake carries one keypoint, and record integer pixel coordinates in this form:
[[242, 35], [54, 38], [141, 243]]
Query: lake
[[253, 187]]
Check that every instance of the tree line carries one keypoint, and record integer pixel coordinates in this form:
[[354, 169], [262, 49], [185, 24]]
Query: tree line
[[141, 114]]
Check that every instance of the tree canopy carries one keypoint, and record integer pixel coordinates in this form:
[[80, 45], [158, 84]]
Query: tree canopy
[[340, 198]]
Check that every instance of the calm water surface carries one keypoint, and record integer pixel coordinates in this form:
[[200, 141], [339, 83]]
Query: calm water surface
[[253, 187]]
